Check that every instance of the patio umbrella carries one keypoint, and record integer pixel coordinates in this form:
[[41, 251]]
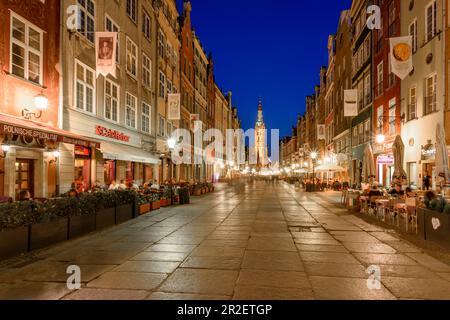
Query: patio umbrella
[[368, 164], [442, 172], [328, 167], [398, 149]]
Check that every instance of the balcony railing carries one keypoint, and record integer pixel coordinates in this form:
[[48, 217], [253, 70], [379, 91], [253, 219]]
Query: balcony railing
[[429, 105]]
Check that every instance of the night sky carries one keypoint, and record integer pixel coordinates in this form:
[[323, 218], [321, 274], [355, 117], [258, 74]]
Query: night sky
[[268, 48]]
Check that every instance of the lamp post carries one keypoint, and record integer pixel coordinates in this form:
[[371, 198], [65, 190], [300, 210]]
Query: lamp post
[[314, 158], [171, 143]]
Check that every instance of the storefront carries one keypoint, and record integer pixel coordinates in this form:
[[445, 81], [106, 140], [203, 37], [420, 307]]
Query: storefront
[[385, 169], [31, 158]]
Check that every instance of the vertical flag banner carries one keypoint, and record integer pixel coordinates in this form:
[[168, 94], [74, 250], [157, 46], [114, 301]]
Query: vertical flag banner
[[401, 56], [321, 132], [350, 103], [174, 102], [105, 52]]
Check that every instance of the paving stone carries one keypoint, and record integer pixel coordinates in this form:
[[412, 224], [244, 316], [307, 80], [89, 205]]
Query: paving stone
[[338, 270], [148, 266], [429, 289], [225, 243], [206, 251], [218, 262], [403, 247], [272, 260], [332, 288], [253, 293], [321, 248], [181, 240], [33, 291], [317, 242], [210, 282], [429, 262], [106, 294], [378, 259], [415, 272], [328, 257], [368, 247], [271, 244], [128, 280], [185, 296], [277, 279], [184, 248], [161, 256]]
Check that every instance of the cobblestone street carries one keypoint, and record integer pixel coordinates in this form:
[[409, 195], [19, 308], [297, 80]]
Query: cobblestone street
[[265, 242]]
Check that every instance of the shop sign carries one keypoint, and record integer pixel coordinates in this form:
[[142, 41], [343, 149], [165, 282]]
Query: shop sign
[[24, 132], [112, 134], [385, 159]]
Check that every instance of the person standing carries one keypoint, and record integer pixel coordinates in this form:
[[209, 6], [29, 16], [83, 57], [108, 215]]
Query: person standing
[[426, 182]]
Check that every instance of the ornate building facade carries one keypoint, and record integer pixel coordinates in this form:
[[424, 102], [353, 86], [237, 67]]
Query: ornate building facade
[[261, 153]]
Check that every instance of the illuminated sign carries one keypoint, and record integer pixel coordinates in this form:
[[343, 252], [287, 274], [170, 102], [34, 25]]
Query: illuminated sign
[[385, 159], [112, 134]]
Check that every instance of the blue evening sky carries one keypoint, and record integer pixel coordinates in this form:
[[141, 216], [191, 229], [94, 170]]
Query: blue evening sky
[[268, 48]]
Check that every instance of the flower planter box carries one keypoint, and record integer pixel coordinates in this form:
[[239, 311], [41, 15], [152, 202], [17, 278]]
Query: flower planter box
[[163, 203], [13, 242], [434, 226], [48, 233], [169, 202], [156, 205], [144, 208], [124, 213], [105, 218], [81, 225], [197, 192]]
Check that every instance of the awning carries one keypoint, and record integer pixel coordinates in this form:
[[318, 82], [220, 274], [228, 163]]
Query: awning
[[38, 130], [115, 151]]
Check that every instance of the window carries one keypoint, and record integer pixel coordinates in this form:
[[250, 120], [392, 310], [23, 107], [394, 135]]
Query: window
[[392, 117], [413, 33], [367, 90], [26, 51], [430, 21], [132, 60], [162, 85], [380, 120], [146, 116], [130, 110], [110, 26], [161, 43], [361, 133], [132, 9], [146, 71], [380, 79], [84, 87], [392, 19], [412, 104], [430, 94], [169, 129], [367, 131], [162, 125], [147, 26], [391, 74], [86, 19], [169, 86], [111, 100]]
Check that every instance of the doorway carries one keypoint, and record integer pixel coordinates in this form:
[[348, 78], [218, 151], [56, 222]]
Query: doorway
[[24, 177]]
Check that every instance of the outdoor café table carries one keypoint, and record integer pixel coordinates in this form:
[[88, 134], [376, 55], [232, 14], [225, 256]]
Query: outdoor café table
[[408, 211]]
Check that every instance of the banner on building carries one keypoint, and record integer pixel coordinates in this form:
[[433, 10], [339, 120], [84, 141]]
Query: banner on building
[[321, 132], [350, 103], [174, 102], [105, 52], [401, 56]]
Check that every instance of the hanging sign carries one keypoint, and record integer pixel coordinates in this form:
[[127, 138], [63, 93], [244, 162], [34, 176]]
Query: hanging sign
[[321, 132], [350, 103], [401, 56], [174, 102], [105, 51]]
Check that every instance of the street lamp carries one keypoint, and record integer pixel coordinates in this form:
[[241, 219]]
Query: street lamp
[[380, 139], [314, 156], [171, 143], [5, 149], [40, 103]]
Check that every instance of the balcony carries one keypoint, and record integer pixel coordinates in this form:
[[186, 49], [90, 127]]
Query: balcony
[[429, 105]]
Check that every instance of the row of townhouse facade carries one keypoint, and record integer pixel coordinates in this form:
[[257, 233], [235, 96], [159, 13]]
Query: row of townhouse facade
[[359, 58], [61, 124]]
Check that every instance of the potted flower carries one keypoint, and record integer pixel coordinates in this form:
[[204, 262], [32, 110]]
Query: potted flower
[[144, 204], [434, 220], [155, 201], [105, 215], [82, 220], [124, 205], [15, 219], [51, 223]]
